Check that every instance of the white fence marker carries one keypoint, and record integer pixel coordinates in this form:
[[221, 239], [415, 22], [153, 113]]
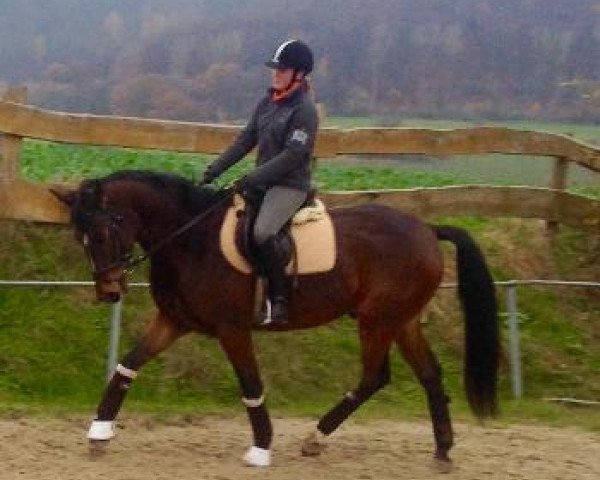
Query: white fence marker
[[514, 343], [115, 334]]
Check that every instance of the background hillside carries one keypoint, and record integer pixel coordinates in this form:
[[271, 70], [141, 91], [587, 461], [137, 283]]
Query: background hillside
[[202, 60]]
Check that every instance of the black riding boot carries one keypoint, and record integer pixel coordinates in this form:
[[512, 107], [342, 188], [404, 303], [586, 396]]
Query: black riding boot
[[274, 268]]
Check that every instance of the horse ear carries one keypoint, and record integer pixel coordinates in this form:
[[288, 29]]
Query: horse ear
[[92, 195], [68, 196]]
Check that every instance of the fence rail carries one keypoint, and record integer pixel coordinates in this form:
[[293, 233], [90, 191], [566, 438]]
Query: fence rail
[[30, 201], [512, 312], [29, 121]]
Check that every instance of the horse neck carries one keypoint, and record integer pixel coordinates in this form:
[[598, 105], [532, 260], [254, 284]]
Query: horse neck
[[158, 214]]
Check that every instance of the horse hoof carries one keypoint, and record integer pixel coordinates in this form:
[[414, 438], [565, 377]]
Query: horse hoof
[[312, 447], [442, 465], [98, 448], [257, 457]]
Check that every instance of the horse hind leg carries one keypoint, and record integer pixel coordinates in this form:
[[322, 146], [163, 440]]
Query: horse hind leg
[[375, 345], [417, 352]]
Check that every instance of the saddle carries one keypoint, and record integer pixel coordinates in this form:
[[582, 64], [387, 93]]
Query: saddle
[[306, 243]]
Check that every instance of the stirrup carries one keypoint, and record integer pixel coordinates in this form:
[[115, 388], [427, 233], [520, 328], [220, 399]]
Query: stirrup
[[263, 316], [266, 317]]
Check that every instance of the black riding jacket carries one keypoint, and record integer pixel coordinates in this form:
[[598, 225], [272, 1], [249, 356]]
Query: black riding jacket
[[284, 132]]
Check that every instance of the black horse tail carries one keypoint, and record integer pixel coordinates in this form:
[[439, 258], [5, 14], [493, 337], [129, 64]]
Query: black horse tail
[[478, 300]]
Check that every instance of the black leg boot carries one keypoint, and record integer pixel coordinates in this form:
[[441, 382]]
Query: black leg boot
[[274, 268]]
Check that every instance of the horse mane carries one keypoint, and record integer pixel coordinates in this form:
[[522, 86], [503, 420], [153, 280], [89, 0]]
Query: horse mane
[[185, 193]]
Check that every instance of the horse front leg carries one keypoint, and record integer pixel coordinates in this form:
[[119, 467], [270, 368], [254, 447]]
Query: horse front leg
[[237, 345], [159, 334]]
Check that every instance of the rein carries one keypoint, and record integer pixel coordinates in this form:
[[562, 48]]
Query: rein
[[129, 261], [133, 261]]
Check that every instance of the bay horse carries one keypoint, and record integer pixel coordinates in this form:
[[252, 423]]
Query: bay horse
[[388, 266]]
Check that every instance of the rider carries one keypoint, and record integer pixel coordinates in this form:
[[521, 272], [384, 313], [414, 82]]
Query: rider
[[283, 125]]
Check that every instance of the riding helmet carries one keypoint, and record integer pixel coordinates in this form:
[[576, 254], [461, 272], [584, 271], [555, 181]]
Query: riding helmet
[[292, 54]]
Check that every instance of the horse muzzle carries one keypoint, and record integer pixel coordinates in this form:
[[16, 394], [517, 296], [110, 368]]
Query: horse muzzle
[[110, 288]]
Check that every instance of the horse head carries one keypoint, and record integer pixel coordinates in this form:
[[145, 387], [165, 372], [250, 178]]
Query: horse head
[[107, 232]]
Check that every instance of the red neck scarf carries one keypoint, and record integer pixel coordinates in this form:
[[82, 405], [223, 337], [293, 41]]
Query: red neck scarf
[[279, 95]]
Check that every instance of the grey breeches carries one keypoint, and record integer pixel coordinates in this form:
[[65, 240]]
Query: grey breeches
[[278, 206]]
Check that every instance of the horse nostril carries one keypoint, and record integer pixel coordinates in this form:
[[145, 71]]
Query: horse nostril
[[111, 297]]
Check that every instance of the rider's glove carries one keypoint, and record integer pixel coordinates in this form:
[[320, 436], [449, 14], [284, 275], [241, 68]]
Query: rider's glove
[[207, 177]]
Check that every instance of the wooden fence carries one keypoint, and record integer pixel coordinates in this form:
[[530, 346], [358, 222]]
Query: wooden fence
[[20, 199]]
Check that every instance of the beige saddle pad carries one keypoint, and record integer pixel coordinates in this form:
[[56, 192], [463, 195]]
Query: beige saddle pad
[[312, 231]]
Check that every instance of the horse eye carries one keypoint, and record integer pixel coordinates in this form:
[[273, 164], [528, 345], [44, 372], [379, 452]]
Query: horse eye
[[93, 238], [98, 238]]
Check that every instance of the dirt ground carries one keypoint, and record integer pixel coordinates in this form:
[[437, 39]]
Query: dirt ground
[[211, 448]]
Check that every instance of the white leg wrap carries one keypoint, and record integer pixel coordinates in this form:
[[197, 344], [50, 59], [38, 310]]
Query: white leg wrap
[[253, 402], [126, 372], [101, 430], [257, 457]]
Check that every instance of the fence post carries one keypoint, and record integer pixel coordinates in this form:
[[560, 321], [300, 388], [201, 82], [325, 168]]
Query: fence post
[[115, 332], [514, 340], [558, 182], [10, 152]]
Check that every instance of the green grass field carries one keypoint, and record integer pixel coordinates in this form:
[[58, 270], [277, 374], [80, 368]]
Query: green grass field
[[496, 169], [53, 342], [51, 162]]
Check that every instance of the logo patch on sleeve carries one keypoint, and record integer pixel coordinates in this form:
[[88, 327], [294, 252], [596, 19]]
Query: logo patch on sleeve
[[300, 136]]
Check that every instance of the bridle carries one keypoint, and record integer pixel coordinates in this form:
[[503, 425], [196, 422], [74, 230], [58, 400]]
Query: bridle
[[126, 260], [115, 237]]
